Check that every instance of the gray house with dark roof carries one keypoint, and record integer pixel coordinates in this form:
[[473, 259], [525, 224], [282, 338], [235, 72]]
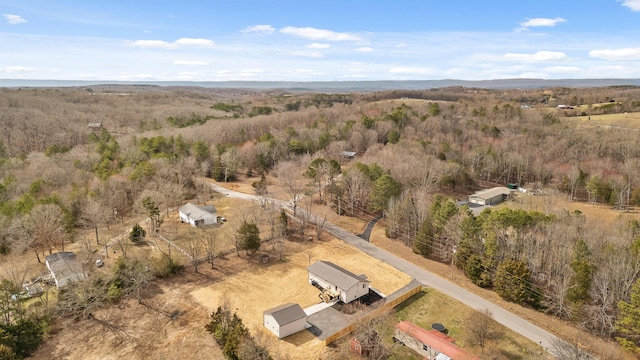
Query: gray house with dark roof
[[345, 284], [198, 215], [65, 268], [285, 319]]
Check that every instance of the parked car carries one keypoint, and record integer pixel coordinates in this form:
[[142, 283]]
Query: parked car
[[99, 263]]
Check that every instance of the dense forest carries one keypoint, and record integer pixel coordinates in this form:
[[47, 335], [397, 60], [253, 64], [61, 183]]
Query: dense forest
[[74, 158]]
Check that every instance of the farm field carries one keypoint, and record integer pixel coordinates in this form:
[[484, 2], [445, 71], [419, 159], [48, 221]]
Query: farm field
[[623, 120]]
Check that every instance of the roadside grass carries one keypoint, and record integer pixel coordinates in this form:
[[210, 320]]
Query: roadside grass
[[429, 306]]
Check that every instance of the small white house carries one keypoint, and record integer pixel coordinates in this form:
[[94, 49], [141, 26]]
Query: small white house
[[491, 196], [198, 215], [285, 319], [330, 276], [348, 154], [65, 268]]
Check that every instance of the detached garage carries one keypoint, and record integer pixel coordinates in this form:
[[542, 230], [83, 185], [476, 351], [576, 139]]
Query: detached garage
[[285, 320]]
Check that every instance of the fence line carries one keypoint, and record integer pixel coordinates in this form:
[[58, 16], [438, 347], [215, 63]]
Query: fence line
[[415, 288], [171, 243]]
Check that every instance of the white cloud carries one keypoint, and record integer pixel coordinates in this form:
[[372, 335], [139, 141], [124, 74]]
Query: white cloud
[[311, 54], [157, 44], [263, 29], [634, 5], [616, 54], [538, 22], [364, 49], [411, 70], [17, 69], [14, 19], [190, 62], [537, 57], [161, 44], [318, 46], [318, 34], [194, 42]]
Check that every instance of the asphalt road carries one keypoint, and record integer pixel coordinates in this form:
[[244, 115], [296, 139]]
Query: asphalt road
[[366, 234], [502, 316]]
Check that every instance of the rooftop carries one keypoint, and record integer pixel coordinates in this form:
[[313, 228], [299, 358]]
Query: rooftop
[[489, 193], [65, 268], [436, 340], [286, 313], [335, 274], [197, 212]]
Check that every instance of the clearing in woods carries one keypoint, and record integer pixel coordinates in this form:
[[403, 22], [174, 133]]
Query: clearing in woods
[[624, 120]]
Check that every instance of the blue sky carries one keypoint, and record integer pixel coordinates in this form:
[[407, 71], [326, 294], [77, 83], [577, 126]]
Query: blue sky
[[286, 40]]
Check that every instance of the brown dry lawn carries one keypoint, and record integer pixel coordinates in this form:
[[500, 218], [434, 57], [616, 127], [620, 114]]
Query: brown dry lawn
[[624, 120], [259, 288], [170, 322]]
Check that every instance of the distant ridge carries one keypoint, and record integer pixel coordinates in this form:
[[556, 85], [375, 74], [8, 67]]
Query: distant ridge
[[335, 86]]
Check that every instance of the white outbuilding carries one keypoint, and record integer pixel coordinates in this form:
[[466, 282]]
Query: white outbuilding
[[285, 319], [491, 196]]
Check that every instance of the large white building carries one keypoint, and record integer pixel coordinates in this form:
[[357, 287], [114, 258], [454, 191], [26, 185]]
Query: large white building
[[285, 319], [491, 196], [330, 276]]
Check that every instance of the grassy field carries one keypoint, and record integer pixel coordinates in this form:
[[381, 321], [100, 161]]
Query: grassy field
[[623, 120]]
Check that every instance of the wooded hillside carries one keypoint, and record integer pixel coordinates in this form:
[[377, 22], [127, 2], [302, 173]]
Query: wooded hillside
[[73, 158]]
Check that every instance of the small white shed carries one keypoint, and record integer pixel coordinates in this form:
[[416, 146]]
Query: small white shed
[[285, 319], [198, 215]]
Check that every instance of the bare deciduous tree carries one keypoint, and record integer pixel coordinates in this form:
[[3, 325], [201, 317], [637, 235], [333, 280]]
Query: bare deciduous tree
[[481, 327], [290, 176], [194, 243], [564, 350], [47, 227]]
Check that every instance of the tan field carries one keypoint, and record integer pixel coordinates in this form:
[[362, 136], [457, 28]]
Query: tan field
[[623, 120]]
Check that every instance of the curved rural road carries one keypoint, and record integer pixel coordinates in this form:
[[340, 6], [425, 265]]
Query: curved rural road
[[504, 317]]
